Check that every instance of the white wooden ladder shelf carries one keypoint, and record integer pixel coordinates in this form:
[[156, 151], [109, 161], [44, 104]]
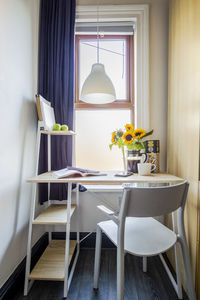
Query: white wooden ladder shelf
[[54, 262]]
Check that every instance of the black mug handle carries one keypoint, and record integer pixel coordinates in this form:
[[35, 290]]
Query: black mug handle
[[145, 157]]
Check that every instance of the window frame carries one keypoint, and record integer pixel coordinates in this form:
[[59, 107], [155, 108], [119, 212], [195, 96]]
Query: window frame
[[118, 104]]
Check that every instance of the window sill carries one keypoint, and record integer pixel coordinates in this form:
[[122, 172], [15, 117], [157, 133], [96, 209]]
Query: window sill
[[120, 105]]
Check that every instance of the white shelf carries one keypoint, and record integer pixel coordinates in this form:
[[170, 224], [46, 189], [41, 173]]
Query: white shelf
[[55, 214], [51, 265], [57, 132]]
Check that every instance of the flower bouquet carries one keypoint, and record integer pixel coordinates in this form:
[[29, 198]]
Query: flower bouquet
[[131, 138]]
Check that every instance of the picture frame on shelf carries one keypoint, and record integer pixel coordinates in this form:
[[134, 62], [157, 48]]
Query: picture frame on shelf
[[45, 112]]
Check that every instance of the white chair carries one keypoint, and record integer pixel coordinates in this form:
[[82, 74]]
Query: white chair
[[134, 230]]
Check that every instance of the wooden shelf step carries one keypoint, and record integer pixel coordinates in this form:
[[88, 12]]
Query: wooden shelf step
[[59, 132], [51, 265], [55, 214]]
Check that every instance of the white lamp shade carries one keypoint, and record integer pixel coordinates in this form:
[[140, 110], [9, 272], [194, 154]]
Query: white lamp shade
[[98, 88]]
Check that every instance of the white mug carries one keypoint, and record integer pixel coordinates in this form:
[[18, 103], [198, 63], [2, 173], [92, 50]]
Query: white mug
[[146, 168]]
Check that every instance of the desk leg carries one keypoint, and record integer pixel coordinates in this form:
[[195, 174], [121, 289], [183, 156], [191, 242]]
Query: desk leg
[[27, 286], [28, 257], [77, 219], [49, 169], [77, 238], [67, 242]]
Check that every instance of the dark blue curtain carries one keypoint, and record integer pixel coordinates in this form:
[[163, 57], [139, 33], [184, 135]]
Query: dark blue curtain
[[56, 83]]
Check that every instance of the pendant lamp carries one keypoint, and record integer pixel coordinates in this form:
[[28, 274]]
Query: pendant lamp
[[98, 87]]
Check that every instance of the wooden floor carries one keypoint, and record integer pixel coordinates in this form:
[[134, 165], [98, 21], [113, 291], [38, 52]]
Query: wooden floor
[[153, 285]]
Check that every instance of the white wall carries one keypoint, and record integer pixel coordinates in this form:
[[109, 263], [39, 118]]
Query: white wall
[[158, 64], [18, 76]]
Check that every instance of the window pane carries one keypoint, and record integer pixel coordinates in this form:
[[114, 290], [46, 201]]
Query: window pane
[[112, 54], [93, 136]]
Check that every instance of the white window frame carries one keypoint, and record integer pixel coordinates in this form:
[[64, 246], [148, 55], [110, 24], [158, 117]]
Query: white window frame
[[139, 14]]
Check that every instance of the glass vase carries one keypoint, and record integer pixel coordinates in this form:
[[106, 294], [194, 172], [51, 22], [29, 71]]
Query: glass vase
[[124, 160]]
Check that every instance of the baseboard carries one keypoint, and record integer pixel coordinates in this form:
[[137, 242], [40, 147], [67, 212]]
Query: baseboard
[[8, 290]]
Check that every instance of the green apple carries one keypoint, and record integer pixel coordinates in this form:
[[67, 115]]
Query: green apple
[[64, 127], [56, 127]]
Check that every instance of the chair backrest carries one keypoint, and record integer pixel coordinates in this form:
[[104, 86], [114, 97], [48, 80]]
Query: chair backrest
[[153, 201]]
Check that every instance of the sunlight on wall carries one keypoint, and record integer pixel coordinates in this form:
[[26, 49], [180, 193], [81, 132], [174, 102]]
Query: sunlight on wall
[[94, 129]]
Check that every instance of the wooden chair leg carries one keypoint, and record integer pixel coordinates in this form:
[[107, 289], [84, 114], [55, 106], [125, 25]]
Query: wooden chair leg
[[97, 257]]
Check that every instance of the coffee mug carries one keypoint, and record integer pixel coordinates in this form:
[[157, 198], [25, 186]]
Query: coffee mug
[[146, 168]]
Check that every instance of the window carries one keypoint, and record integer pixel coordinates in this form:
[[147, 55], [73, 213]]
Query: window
[[116, 53], [94, 123]]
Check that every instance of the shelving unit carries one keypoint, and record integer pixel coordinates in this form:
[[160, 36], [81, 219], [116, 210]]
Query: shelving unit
[[54, 262]]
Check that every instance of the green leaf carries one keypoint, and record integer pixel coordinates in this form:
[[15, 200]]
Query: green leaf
[[138, 146], [130, 146], [147, 134], [110, 146], [120, 142], [143, 146]]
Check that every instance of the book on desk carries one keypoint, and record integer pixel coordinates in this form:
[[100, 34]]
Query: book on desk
[[71, 172]]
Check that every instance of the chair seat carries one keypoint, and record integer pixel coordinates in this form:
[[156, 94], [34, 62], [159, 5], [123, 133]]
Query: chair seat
[[143, 236]]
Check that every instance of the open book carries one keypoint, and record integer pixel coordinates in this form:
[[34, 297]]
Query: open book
[[75, 172]]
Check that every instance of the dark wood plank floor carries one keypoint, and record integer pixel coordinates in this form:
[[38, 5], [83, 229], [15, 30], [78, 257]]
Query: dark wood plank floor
[[153, 285]]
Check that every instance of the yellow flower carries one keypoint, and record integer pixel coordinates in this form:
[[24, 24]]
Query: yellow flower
[[138, 133], [129, 127], [114, 138], [128, 137]]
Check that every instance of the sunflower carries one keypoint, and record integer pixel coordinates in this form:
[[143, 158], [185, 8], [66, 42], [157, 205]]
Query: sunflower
[[129, 127], [114, 138], [138, 133], [128, 137]]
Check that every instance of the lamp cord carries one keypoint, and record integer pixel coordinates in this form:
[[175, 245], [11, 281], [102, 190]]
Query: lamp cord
[[98, 33]]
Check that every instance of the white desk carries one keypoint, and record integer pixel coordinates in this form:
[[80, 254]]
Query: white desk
[[54, 263]]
